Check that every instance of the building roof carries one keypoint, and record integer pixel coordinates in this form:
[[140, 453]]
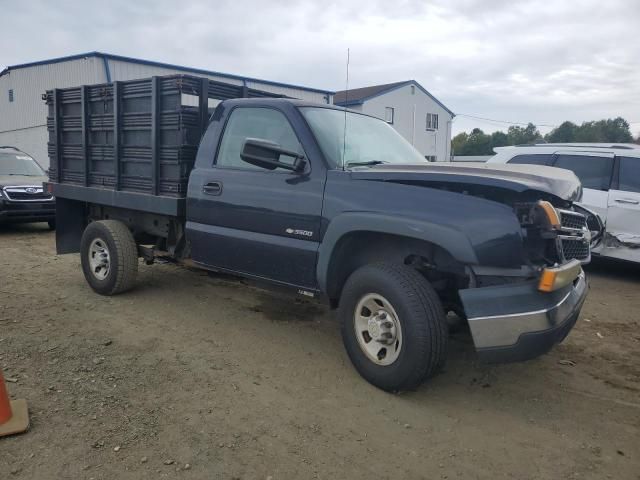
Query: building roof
[[357, 96], [109, 56]]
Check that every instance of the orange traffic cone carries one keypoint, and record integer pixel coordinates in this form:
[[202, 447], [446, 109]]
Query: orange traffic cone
[[14, 416]]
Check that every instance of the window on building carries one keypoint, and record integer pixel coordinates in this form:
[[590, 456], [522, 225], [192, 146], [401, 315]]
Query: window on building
[[432, 121], [388, 114], [629, 174], [413, 89], [11, 95]]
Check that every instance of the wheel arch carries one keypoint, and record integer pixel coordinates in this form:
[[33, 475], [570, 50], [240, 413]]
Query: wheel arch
[[353, 240]]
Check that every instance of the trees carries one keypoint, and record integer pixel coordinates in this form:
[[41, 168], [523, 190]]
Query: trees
[[611, 131], [564, 133], [499, 139], [458, 143], [521, 136], [477, 142]]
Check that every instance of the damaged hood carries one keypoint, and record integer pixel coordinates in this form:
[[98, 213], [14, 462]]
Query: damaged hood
[[518, 178]]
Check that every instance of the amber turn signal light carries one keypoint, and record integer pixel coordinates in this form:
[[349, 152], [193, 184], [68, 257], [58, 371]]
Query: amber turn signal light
[[554, 278], [551, 213]]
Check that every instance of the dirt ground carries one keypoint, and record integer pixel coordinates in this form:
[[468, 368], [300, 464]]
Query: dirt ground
[[195, 377]]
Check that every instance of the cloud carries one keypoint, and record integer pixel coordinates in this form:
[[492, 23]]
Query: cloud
[[524, 61]]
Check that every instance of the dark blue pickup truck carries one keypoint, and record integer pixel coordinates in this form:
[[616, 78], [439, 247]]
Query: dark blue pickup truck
[[329, 203]]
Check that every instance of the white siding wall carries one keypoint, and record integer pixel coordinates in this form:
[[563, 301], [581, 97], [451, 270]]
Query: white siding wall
[[121, 70], [317, 97], [32, 140], [28, 84], [23, 121], [410, 119]]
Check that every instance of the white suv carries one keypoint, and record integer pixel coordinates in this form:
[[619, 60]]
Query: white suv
[[610, 176]]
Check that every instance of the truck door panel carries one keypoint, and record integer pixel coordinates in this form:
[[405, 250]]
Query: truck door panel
[[255, 221]]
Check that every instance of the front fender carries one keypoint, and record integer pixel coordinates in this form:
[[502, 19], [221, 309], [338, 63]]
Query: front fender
[[447, 237]]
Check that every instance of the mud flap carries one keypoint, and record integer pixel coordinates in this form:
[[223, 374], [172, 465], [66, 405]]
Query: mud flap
[[70, 223]]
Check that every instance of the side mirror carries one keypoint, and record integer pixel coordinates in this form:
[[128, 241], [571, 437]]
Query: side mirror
[[266, 154]]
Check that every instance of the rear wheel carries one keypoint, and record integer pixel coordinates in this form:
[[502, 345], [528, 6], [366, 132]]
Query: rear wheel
[[393, 326], [109, 256]]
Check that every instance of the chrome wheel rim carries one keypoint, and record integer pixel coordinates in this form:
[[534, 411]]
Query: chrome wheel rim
[[378, 329], [99, 259]]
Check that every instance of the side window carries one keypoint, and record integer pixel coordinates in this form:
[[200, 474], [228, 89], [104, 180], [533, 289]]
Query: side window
[[629, 174], [262, 123], [593, 172], [533, 159]]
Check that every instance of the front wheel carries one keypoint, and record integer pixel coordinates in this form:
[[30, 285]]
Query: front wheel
[[109, 256], [393, 326]]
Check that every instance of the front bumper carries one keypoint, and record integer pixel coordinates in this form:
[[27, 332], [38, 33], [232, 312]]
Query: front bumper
[[23, 212], [517, 322]]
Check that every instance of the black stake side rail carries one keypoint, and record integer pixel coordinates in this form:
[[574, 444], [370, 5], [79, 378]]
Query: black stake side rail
[[134, 136]]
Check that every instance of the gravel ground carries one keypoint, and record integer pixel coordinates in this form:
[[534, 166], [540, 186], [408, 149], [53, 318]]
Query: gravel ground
[[194, 377]]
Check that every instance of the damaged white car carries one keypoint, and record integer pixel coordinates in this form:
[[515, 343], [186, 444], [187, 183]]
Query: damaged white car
[[610, 176]]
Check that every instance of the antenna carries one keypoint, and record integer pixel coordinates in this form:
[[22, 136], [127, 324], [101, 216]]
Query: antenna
[[346, 102]]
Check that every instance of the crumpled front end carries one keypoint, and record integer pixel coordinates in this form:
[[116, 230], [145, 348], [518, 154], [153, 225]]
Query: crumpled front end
[[518, 321], [520, 314]]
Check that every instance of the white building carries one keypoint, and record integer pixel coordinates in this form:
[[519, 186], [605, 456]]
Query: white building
[[23, 113], [416, 114]]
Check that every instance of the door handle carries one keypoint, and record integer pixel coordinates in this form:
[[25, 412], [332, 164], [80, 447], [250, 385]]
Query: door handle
[[212, 188], [627, 200]]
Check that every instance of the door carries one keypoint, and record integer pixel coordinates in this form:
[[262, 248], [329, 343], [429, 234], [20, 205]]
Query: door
[[595, 171], [623, 217], [262, 223]]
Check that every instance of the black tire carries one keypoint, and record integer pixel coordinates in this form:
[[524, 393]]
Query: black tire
[[123, 257], [52, 224], [421, 317]]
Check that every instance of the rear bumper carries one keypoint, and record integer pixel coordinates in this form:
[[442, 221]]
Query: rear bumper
[[23, 212], [518, 322]]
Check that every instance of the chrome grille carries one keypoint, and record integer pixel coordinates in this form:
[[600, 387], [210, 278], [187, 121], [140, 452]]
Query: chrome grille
[[574, 237], [592, 223], [572, 220], [575, 249], [26, 194]]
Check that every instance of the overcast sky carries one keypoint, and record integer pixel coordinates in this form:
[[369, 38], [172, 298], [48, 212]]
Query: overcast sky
[[519, 61]]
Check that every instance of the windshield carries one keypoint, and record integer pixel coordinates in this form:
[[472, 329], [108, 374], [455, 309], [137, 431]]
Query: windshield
[[19, 164], [369, 141]]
